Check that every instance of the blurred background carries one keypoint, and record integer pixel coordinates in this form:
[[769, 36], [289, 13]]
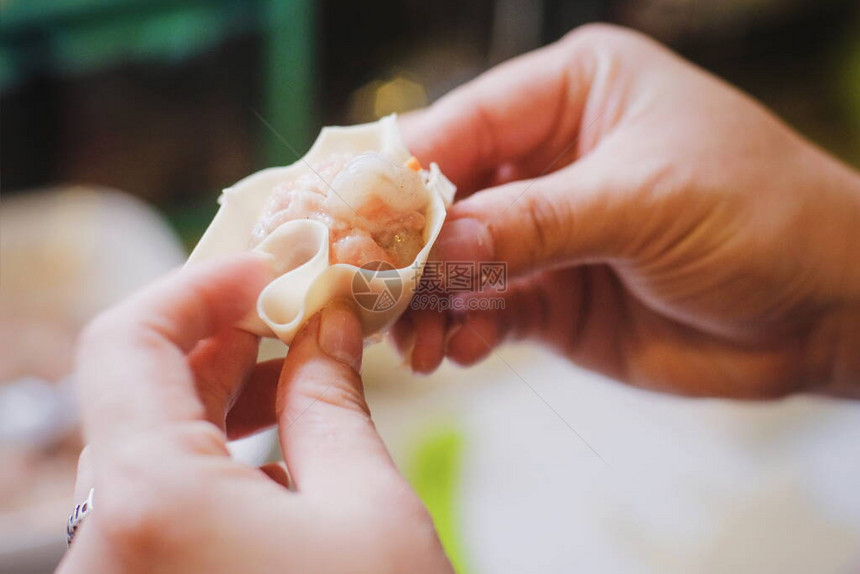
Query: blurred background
[[123, 119]]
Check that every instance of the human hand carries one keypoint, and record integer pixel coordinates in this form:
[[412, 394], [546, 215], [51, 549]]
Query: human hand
[[658, 225], [159, 378]]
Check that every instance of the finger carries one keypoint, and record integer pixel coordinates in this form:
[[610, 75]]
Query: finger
[[221, 366], [476, 337], [464, 337], [429, 340], [402, 334], [550, 307], [664, 355], [133, 373], [582, 313], [520, 312], [255, 408], [329, 441], [582, 214], [531, 105]]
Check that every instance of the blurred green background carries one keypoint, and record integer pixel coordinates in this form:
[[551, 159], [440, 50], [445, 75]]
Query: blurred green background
[[170, 100]]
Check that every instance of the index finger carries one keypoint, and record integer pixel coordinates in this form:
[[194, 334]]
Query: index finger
[[527, 110], [132, 369]]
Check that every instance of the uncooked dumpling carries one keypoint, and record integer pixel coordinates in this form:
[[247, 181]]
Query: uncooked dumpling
[[358, 199]]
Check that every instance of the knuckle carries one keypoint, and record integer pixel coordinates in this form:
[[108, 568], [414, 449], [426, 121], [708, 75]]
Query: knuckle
[[344, 397], [337, 385], [607, 39], [132, 527], [140, 506], [202, 437], [146, 338], [547, 222], [98, 329], [599, 34], [134, 517], [488, 142]]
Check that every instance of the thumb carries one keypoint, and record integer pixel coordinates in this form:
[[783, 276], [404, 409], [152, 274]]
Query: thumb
[[329, 441], [575, 215]]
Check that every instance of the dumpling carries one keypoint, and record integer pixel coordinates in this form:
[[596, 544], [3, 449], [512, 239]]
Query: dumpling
[[355, 217], [373, 206]]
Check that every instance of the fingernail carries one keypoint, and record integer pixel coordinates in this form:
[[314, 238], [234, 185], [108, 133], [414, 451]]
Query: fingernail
[[464, 240], [340, 334]]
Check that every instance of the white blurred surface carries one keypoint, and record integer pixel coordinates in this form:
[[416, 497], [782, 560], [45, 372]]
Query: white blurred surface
[[706, 486], [65, 254]]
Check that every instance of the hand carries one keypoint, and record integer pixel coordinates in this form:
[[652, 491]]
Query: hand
[[659, 226], [158, 376]]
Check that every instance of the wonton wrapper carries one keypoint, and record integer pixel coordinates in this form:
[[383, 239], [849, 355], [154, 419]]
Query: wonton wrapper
[[299, 250]]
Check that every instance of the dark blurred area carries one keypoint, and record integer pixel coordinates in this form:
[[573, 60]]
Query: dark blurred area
[[161, 99], [121, 115]]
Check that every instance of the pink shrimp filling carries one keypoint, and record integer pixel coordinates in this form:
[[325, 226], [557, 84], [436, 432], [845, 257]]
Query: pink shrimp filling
[[374, 208]]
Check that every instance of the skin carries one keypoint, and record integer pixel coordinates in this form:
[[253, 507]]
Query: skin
[[158, 376], [658, 225]]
